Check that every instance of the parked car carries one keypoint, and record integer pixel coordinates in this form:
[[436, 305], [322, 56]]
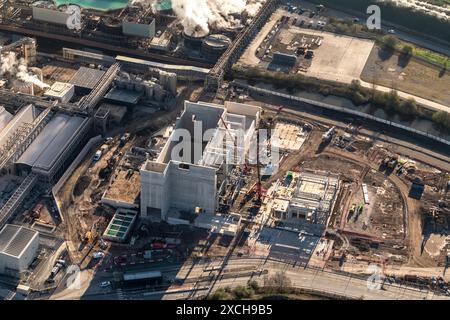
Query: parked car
[[105, 284], [391, 31], [98, 255]]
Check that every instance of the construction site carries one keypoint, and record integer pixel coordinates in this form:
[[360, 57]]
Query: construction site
[[126, 160]]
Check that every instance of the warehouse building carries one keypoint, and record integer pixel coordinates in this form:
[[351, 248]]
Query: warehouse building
[[61, 92], [54, 147], [5, 118], [85, 79], [49, 14], [172, 189], [18, 248]]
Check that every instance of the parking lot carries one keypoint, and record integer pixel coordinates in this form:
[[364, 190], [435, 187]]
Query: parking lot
[[339, 58], [333, 57]]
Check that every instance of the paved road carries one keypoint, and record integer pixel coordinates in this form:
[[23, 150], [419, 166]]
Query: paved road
[[192, 288], [317, 280]]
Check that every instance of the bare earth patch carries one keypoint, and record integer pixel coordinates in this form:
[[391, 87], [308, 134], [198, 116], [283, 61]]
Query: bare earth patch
[[411, 76]]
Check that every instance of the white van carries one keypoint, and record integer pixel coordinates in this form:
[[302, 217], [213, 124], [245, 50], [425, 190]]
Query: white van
[[98, 155]]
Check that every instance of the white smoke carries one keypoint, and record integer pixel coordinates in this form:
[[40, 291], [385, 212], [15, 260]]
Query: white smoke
[[17, 68], [197, 16], [200, 14]]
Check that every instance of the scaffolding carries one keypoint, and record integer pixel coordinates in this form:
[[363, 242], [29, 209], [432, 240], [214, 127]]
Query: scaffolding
[[16, 199]]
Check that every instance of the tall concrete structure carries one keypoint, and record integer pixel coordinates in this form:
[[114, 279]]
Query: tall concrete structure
[[187, 174]]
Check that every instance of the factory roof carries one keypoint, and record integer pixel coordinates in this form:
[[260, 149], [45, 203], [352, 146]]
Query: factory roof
[[15, 239], [5, 118], [59, 90], [87, 78], [52, 141], [25, 115], [123, 96], [163, 66], [141, 275]]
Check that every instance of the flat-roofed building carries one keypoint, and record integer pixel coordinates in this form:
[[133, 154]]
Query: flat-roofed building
[[85, 79], [18, 248], [60, 91]]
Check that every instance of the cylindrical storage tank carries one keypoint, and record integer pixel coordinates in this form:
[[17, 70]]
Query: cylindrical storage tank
[[195, 39], [163, 78], [172, 83], [111, 25], [149, 89], [158, 93], [215, 45], [23, 87], [138, 86]]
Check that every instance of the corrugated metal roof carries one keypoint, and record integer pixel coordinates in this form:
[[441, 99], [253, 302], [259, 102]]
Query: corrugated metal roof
[[25, 115], [5, 117], [51, 142], [14, 239], [6, 234], [87, 77]]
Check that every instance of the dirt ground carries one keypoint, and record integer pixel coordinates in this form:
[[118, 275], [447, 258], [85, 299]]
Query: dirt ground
[[384, 215], [413, 77], [57, 71]]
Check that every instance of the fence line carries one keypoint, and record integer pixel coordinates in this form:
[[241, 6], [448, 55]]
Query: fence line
[[341, 109]]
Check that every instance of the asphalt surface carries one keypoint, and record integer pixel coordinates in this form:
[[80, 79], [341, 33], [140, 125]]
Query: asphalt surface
[[326, 281]]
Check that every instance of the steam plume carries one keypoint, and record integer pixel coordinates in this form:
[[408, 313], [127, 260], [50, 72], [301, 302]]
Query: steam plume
[[17, 68]]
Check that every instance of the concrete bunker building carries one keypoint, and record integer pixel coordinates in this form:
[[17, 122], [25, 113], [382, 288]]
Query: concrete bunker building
[[18, 248], [171, 188]]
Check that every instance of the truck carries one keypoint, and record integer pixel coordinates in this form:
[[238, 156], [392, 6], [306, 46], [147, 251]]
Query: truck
[[329, 134], [97, 155], [55, 270]]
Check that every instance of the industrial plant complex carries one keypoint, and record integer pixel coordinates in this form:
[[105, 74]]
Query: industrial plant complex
[[162, 150]]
